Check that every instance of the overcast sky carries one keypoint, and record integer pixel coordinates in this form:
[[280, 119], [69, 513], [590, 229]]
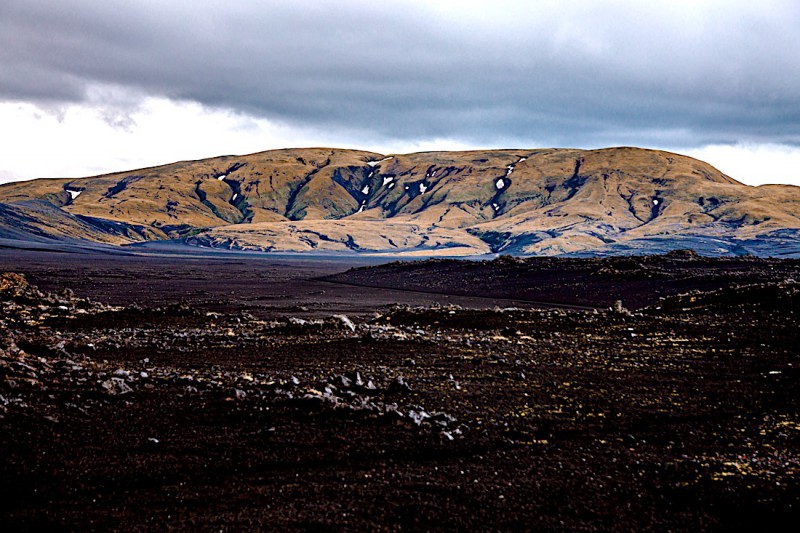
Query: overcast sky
[[96, 86]]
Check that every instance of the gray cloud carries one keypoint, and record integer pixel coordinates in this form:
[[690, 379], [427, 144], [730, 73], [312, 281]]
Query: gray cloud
[[589, 74]]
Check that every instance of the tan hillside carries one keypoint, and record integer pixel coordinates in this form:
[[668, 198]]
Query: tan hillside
[[342, 236], [543, 201]]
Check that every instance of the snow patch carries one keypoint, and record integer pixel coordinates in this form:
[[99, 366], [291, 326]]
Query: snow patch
[[235, 196], [656, 201], [387, 180], [220, 178], [495, 206], [365, 190], [500, 184], [422, 188], [510, 168], [376, 163], [73, 193]]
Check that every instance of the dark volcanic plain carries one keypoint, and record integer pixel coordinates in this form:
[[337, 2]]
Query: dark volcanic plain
[[250, 392]]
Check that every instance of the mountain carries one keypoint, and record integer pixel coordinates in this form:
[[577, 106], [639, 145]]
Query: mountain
[[543, 201]]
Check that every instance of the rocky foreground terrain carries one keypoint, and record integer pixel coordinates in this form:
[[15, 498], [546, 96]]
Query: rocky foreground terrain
[[188, 411], [522, 202]]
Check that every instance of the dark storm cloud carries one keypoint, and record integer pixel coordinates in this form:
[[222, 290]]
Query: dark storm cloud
[[593, 73]]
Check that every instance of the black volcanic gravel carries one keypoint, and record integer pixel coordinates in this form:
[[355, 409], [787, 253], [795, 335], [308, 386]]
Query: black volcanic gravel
[[637, 281], [183, 412]]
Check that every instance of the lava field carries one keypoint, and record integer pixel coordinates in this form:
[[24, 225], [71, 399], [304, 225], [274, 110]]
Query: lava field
[[234, 394]]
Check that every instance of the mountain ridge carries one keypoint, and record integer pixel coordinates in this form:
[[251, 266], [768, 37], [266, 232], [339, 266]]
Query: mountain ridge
[[543, 201]]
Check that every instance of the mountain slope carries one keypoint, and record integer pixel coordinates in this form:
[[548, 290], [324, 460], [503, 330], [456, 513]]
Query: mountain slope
[[40, 221], [545, 201]]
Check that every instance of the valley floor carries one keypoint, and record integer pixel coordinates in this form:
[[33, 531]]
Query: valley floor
[[255, 393]]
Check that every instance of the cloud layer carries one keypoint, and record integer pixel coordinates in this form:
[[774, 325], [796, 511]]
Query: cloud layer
[[681, 74]]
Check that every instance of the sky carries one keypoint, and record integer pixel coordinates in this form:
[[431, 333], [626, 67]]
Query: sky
[[88, 87]]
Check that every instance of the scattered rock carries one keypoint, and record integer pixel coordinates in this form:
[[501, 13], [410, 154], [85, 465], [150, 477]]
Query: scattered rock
[[116, 387], [399, 385], [346, 322], [620, 309]]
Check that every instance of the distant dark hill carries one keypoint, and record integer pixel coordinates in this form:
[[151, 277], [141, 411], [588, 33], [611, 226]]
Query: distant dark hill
[[638, 281], [544, 202]]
